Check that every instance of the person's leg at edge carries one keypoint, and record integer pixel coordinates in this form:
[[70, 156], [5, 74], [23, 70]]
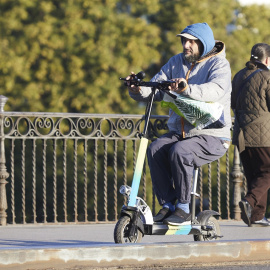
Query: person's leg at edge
[[258, 214], [247, 205], [256, 163]]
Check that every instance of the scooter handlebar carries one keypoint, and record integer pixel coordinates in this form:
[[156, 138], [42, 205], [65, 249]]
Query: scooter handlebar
[[161, 85]]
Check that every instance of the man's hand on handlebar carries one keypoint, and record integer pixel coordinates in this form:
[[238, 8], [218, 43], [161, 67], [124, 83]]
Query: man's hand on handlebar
[[131, 87], [178, 87]]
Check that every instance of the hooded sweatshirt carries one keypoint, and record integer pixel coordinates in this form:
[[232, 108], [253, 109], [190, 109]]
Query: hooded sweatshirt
[[209, 80]]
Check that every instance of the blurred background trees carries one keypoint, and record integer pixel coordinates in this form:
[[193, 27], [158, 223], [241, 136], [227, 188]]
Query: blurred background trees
[[68, 55]]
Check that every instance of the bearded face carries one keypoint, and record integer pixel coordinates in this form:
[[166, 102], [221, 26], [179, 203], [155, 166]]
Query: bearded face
[[192, 58], [192, 49]]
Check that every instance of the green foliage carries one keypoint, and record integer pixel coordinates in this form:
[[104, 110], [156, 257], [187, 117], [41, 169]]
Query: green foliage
[[250, 29], [68, 55]]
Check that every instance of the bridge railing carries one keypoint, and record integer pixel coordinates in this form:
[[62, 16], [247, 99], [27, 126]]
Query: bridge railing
[[67, 168]]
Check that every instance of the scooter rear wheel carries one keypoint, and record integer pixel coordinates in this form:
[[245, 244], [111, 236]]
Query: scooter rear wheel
[[121, 232], [212, 221]]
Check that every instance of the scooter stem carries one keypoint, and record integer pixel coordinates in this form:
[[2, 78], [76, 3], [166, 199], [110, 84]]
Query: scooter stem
[[142, 152], [138, 172]]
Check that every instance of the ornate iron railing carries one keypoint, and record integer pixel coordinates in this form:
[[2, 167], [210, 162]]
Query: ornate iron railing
[[63, 168]]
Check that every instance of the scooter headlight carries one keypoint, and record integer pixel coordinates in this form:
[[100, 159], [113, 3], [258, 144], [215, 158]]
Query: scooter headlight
[[125, 190]]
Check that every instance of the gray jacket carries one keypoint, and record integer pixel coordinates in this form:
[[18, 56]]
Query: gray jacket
[[208, 80]]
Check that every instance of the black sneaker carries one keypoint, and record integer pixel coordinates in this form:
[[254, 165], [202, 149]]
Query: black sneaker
[[245, 211], [261, 223], [178, 216], [162, 214]]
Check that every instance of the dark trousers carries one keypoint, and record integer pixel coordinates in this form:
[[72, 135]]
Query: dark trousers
[[171, 161], [256, 163]]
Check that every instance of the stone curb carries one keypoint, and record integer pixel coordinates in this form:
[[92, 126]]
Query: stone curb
[[134, 254]]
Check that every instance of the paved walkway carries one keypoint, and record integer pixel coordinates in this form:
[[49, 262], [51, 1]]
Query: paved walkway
[[93, 244]]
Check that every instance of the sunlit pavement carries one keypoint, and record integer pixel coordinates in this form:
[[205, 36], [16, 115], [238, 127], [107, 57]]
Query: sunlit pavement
[[24, 245]]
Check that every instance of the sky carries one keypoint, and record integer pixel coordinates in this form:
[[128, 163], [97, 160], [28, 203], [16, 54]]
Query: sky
[[248, 2]]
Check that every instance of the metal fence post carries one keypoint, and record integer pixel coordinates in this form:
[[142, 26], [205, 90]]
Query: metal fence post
[[237, 179], [3, 171]]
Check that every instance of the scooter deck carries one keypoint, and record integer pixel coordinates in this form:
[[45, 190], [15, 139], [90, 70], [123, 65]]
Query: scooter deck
[[159, 228]]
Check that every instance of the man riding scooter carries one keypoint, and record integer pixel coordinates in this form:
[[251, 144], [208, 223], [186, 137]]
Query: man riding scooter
[[203, 68]]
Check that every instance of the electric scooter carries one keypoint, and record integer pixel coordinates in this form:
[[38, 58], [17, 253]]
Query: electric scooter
[[136, 219]]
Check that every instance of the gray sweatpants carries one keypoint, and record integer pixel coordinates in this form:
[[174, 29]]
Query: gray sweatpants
[[171, 161]]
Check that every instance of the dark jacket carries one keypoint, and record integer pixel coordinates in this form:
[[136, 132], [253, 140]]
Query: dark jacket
[[252, 106]]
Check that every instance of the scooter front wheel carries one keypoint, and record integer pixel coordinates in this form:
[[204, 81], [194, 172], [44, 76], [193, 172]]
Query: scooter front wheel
[[122, 229], [211, 235]]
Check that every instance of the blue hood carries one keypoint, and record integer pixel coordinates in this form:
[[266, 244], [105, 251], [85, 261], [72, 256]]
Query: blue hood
[[204, 33]]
